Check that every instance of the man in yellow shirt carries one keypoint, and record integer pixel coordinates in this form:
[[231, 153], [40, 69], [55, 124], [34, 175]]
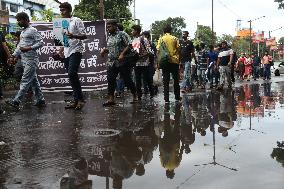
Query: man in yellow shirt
[[172, 66]]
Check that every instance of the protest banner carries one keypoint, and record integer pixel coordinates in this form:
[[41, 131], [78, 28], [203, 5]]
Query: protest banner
[[92, 72]]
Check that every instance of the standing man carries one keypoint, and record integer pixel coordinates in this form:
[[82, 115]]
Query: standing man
[[73, 53], [224, 63], [142, 46], [4, 54], [117, 45], [30, 41], [172, 66], [202, 66], [256, 66], [211, 62], [187, 53], [266, 66]]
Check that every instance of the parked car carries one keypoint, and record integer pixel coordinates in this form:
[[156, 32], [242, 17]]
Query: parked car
[[277, 68]]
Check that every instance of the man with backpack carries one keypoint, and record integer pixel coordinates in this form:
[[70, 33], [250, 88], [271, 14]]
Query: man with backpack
[[169, 45], [142, 46]]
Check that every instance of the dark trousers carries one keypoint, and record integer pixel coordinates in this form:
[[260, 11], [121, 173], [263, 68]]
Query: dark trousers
[[1, 87], [147, 79], [125, 74], [267, 72], [256, 72], [169, 69], [72, 65]]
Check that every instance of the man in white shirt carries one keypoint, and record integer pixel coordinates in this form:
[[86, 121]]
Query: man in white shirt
[[73, 53]]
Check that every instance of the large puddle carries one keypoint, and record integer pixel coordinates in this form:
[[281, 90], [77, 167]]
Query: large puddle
[[230, 139]]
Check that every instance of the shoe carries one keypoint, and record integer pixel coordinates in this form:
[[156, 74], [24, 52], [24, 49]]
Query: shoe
[[40, 103], [80, 105], [182, 91], [1, 97], [108, 103], [13, 104]]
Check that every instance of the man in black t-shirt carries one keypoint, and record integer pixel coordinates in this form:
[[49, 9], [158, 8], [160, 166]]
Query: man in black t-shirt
[[4, 54], [187, 53]]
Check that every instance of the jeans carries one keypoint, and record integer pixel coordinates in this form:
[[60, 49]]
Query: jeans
[[29, 79], [225, 72], [119, 85], [267, 71], [147, 77], [187, 81], [169, 69], [213, 75], [125, 74], [1, 87], [72, 64], [256, 72]]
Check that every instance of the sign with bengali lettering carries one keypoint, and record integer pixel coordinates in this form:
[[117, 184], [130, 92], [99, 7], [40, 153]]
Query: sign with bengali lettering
[[92, 72]]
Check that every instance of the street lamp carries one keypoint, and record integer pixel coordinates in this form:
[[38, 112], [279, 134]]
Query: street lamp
[[250, 21]]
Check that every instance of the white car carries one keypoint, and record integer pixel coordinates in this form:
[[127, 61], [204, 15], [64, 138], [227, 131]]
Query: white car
[[277, 68]]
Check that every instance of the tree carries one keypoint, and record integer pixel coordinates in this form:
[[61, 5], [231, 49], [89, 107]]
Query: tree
[[281, 41], [281, 3], [177, 24], [44, 15], [225, 37], [89, 10], [204, 34], [241, 45]]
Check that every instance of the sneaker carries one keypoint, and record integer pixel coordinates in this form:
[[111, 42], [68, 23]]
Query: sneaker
[[13, 104], [80, 105], [40, 103]]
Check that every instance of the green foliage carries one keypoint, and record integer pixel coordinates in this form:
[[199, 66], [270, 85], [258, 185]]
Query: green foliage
[[204, 34], [281, 3], [281, 41], [45, 15], [241, 45], [89, 10], [177, 24], [127, 24], [225, 37]]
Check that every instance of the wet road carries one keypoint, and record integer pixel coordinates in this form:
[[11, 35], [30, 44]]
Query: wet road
[[211, 140]]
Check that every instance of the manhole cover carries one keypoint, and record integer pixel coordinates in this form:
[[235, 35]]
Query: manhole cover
[[101, 133]]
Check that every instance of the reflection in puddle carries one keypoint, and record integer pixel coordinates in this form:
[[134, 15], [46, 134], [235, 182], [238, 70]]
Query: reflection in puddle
[[208, 136]]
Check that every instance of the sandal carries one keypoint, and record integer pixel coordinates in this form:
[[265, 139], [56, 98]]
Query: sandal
[[80, 105], [109, 103]]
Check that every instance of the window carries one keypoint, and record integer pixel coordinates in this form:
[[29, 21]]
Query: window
[[14, 8]]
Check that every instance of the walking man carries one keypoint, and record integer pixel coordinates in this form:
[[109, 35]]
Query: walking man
[[30, 41], [256, 66], [73, 51], [172, 66], [187, 53], [117, 45], [142, 46], [266, 66], [224, 62]]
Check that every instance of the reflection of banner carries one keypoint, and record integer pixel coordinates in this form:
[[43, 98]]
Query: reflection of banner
[[258, 37], [52, 74], [271, 42]]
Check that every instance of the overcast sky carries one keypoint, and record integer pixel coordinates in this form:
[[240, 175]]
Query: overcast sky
[[226, 12]]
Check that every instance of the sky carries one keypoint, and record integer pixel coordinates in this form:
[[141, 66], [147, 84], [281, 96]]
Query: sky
[[226, 14]]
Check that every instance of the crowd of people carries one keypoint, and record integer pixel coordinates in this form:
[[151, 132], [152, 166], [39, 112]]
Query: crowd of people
[[132, 62]]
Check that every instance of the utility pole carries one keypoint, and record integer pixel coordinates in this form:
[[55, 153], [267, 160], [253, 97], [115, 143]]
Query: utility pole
[[102, 9], [134, 10], [212, 25], [250, 32]]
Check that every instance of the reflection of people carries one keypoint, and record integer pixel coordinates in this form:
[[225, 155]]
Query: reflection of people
[[278, 153], [73, 53], [78, 176], [169, 145], [186, 128], [147, 142], [124, 158], [227, 113]]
